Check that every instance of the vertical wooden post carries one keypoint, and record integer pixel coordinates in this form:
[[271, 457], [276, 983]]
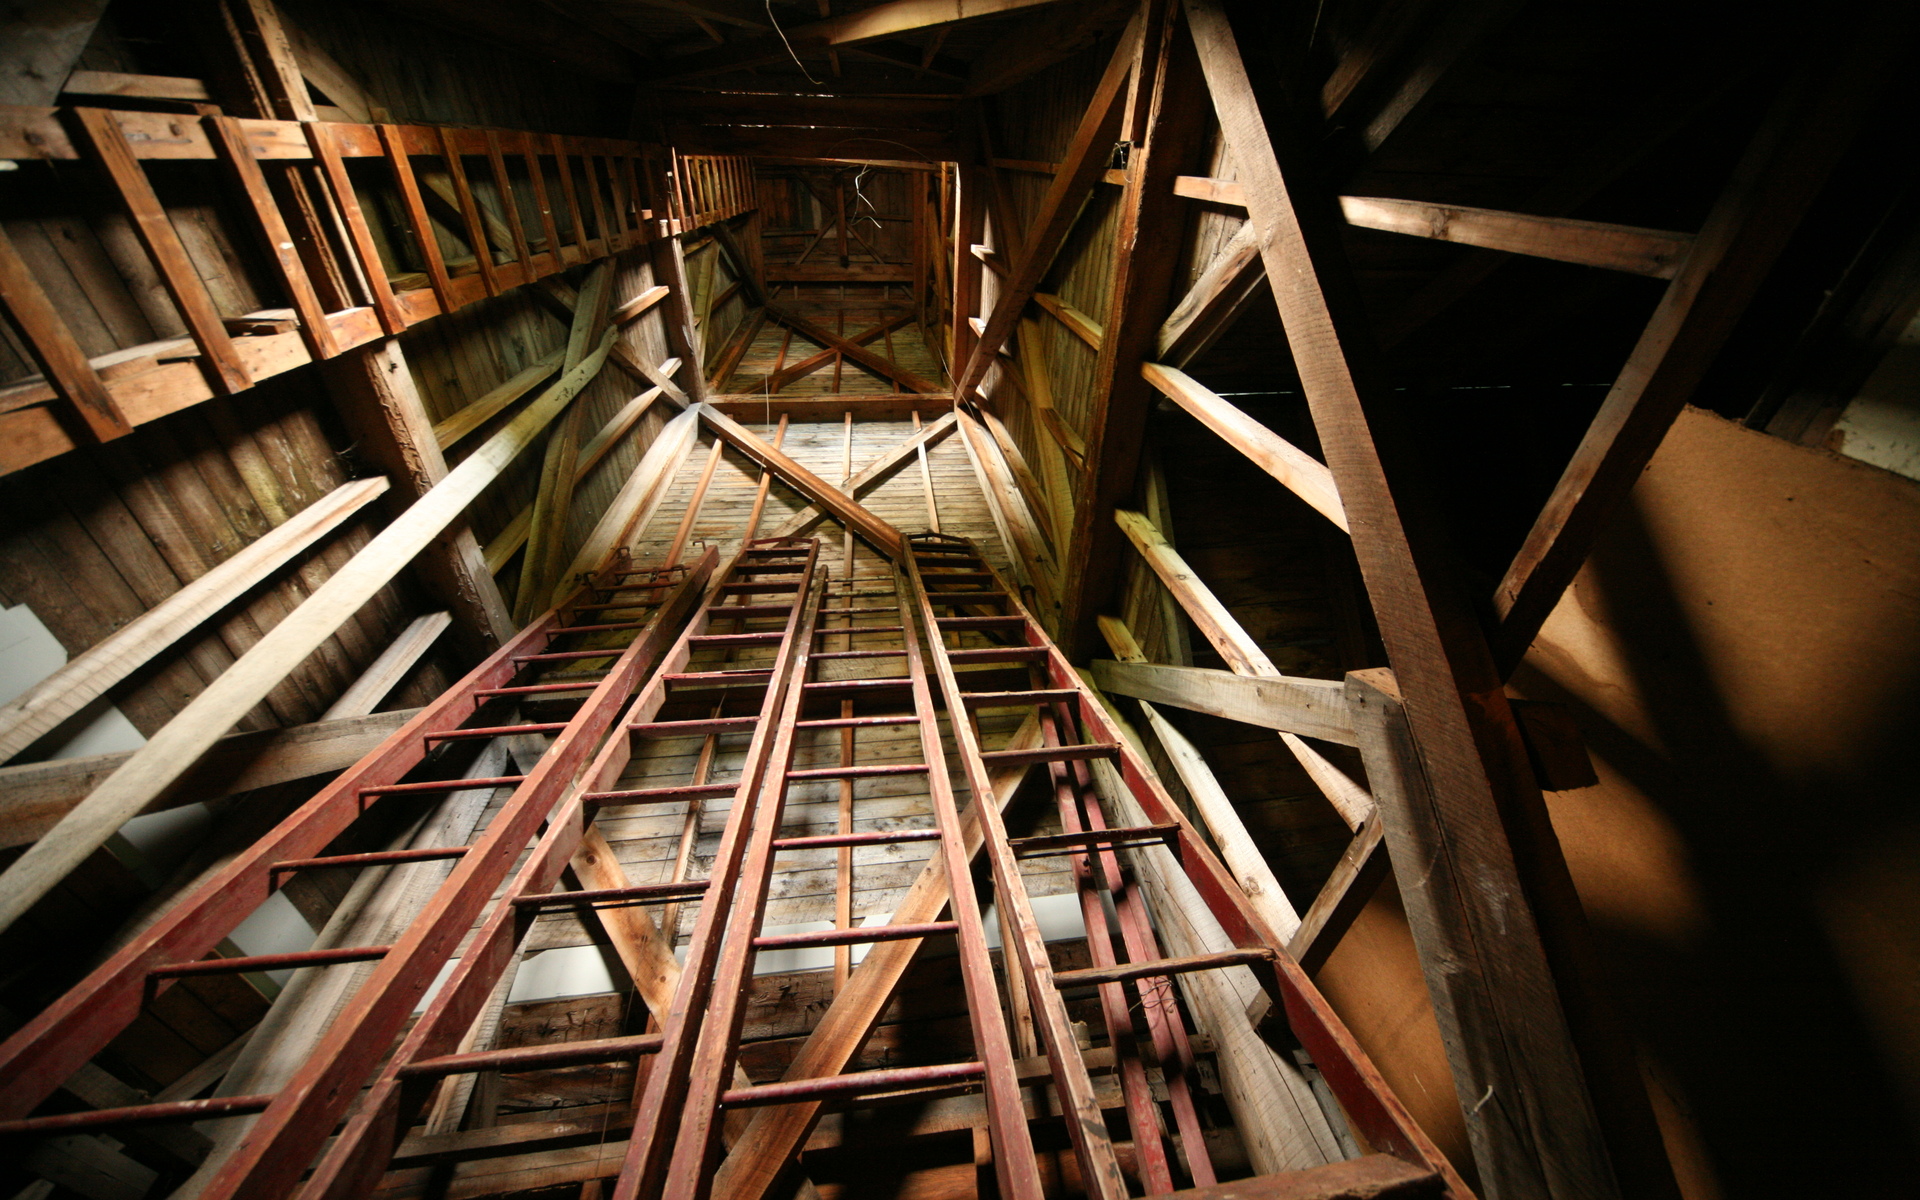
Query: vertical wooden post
[[375, 393], [51, 343]]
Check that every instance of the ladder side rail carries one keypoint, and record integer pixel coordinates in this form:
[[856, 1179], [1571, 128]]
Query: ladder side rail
[[1015, 1165], [1086, 1124], [279, 1148], [1090, 881], [1369, 1103], [353, 1165], [39, 1057], [1173, 1050], [656, 1115], [717, 1047]]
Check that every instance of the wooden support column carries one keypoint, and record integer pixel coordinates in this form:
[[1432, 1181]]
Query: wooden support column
[[1540, 1131], [1167, 125], [375, 393], [669, 268]]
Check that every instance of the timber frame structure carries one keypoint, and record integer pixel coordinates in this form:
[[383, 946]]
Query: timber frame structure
[[295, 387]]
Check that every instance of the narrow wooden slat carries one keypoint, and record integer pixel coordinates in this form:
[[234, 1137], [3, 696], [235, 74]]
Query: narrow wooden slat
[[65, 692], [107, 143], [1304, 475], [1314, 708]]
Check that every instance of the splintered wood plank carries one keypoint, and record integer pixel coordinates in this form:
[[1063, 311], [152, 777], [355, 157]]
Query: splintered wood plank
[[52, 345], [107, 142]]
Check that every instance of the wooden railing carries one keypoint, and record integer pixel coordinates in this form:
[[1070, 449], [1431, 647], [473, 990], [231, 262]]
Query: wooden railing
[[711, 187], [349, 279]]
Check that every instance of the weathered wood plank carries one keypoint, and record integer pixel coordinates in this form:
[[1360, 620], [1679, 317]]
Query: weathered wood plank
[[1314, 708]]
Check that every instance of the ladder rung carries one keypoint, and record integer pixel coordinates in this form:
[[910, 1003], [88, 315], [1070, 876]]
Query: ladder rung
[[533, 689], [859, 1083], [855, 936], [857, 685], [862, 629], [647, 893], [828, 841], [858, 722], [1120, 972], [1012, 699], [861, 772], [768, 638], [750, 610], [697, 678], [525, 1058], [442, 785], [1050, 754], [372, 859], [1067, 842], [691, 791], [999, 654], [698, 727], [271, 962], [774, 585], [568, 655], [824, 654], [494, 731], [865, 608], [768, 568], [165, 1112], [959, 577], [1008, 622], [566, 629], [954, 599], [586, 608]]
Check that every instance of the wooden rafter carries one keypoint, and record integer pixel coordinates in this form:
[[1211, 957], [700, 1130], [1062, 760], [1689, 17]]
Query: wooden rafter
[[878, 23]]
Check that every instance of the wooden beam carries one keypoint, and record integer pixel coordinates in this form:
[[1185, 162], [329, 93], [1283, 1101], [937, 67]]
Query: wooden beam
[[96, 129], [385, 672], [879, 364], [505, 544], [885, 20], [776, 1134], [1783, 171], [1627, 248], [1231, 282], [683, 340], [813, 362], [1218, 625], [546, 549], [1078, 323], [1085, 161], [1549, 1141], [1301, 473], [872, 475], [884, 406], [1236, 846], [181, 742], [42, 708], [638, 498], [1314, 708], [1167, 125], [374, 391], [33, 796], [448, 432], [1356, 877], [881, 535]]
